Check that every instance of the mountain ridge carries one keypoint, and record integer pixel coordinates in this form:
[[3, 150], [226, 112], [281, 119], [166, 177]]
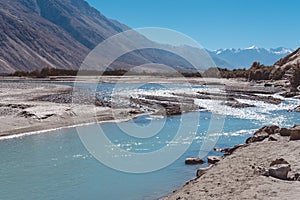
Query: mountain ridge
[[244, 57]]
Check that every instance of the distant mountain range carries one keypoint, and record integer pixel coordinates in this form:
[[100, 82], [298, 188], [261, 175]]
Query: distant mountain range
[[60, 33], [243, 58]]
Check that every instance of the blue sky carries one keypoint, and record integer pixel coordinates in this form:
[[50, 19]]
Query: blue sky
[[214, 23]]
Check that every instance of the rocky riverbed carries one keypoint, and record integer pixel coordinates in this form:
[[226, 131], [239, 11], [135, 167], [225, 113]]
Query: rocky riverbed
[[26, 105]]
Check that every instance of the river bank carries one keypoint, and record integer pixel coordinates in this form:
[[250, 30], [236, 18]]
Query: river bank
[[23, 111], [245, 174]]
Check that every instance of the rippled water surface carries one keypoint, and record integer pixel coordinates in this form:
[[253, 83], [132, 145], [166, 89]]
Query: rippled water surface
[[56, 165]]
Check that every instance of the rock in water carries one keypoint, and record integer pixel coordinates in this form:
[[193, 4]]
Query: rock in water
[[214, 159], [194, 161]]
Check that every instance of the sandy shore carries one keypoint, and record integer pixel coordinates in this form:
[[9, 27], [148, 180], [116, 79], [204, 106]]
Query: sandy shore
[[21, 111], [238, 175]]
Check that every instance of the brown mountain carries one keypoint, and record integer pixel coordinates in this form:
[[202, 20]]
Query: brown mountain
[[54, 33], [60, 33], [286, 71], [290, 59], [290, 67]]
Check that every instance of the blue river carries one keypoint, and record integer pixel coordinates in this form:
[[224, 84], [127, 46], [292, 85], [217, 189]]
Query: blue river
[[56, 164]]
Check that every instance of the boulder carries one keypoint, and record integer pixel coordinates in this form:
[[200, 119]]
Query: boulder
[[214, 159], [295, 133], [274, 137], [280, 171], [202, 171], [268, 129], [194, 161], [284, 132], [278, 162], [229, 151], [258, 137], [263, 133]]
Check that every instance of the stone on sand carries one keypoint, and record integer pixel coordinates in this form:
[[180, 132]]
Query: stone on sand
[[280, 171], [295, 133], [214, 159]]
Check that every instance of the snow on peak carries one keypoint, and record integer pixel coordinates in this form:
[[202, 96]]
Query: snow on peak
[[281, 50], [252, 47], [277, 51]]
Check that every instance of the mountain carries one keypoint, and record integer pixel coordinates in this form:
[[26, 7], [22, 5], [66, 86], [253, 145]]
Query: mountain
[[60, 33], [285, 72], [290, 68], [291, 59], [29, 41], [53, 33], [243, 58]]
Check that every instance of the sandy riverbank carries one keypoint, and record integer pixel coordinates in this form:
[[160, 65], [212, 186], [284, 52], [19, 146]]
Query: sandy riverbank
[[27, 107], [21, 111], [240, 175]]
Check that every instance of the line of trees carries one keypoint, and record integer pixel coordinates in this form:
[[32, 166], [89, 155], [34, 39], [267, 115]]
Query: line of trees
[[47, 72], [255, 72]]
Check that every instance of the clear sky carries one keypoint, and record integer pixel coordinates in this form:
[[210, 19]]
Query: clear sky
[[214, 23]]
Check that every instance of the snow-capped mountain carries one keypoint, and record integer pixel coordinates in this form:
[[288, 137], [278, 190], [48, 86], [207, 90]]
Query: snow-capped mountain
[[243, 58]]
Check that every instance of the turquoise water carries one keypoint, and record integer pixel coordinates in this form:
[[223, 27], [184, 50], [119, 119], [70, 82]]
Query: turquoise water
[[56, 165]]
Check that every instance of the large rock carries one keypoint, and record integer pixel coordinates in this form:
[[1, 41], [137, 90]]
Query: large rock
[[263, 133], [258, 137], [285, 132], [278, 162], [202, 171], [295, 133], [194, 161], [274, 137], [280, 171], [268, 129], [214, 159], [229, 151]]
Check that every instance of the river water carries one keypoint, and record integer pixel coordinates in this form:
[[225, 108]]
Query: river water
[[56, 164]]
